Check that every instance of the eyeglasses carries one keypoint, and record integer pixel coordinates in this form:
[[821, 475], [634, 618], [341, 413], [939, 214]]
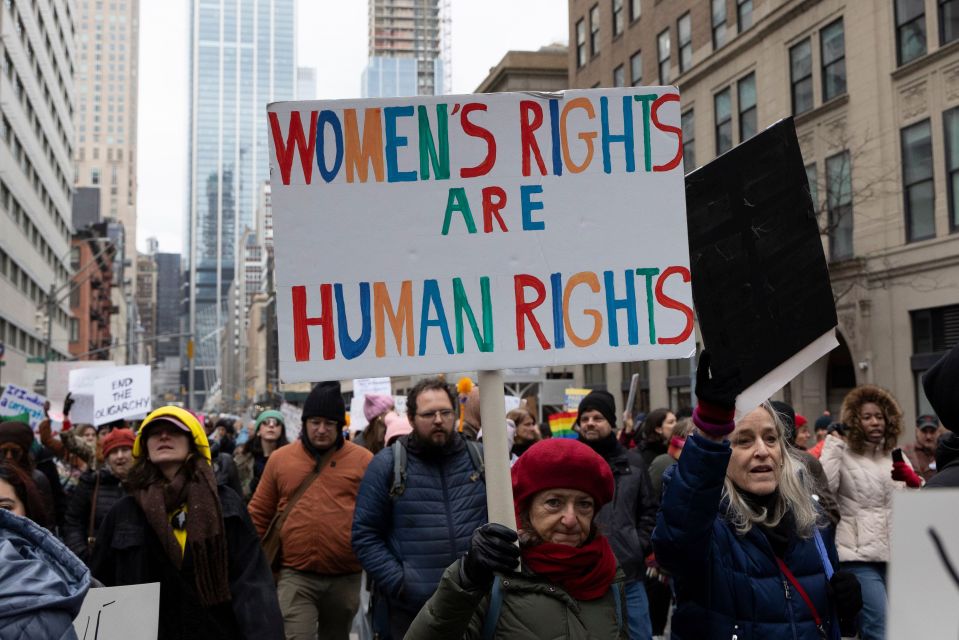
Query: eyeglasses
[[446, 414]]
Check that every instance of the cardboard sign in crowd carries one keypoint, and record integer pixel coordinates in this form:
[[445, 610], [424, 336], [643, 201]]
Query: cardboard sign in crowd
[[479, 232]]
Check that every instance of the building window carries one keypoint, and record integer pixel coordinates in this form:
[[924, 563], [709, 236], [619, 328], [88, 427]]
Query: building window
[[951, 133], [948, 21], [619, 76], [724, 121], [594, 30], [594, 375], [833, 53], [917, 180], [662, 48], [910, 30], [635, 9], [934, 332], [678, 382], [744, 14], [719, 23], [813, 181], [74, 330], [94, 176], [800, 73], [636, 69], [839, 205], [581, 44], [688, 123], [746, 90], [619, 19], [684, 34]]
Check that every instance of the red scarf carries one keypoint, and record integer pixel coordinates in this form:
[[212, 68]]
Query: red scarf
[[585, 573]]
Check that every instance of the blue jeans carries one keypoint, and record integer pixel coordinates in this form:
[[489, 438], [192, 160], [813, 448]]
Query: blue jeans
[[872, 579], [637, 607]]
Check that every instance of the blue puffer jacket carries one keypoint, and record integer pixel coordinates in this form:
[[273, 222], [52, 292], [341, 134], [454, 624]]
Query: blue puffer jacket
[[42, 584], [406, 542], [727, 585]]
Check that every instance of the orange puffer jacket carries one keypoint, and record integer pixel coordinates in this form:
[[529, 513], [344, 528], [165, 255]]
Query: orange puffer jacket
[[316, 534]]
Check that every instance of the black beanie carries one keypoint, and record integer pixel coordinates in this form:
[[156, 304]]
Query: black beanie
[[601, 401], [325, 401], [940, 384], [788, 416]]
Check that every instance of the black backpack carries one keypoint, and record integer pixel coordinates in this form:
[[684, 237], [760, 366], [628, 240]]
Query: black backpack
[[399, 465]]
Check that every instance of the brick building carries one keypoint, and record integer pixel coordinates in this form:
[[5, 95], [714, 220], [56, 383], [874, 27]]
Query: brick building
[[873, 86]]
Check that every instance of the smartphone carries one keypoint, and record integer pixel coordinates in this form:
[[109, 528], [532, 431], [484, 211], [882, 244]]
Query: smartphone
[[897, 455]]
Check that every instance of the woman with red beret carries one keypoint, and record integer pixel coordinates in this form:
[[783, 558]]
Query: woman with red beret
[[567, 584]]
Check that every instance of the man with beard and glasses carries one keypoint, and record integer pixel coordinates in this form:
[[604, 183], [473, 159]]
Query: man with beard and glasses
[[419, 503]]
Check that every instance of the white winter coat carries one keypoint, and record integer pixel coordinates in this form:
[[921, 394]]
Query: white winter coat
[[863, 487]]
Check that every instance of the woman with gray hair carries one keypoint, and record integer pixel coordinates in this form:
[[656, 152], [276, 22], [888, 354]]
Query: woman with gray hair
[[750, 555]]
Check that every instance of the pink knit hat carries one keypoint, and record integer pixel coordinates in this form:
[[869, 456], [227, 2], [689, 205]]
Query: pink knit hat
[[376, 405], [396, 426]]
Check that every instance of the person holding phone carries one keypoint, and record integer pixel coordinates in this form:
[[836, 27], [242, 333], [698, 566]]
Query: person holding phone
[[863, 475]]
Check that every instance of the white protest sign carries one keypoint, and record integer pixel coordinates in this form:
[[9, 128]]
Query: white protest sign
[[58, 382], [511, 402], [16, 400], [924, 568], [497, 231], [292, 420], [121, 393], [363, 387], [120, 613]]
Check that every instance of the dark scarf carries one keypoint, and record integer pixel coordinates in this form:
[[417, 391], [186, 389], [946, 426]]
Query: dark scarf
[[313, 451], [520, 448], [585, 572], [205, 531], [780, 535], [606, 447]]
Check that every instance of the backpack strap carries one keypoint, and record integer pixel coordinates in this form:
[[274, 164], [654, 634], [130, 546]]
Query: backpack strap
[[618, 598], [399, 469], [492, 613], [476, 457], [821, 548]]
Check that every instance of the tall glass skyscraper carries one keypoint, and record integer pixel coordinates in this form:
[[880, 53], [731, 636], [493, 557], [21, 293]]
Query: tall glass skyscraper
[[242, 57], [408, 41]]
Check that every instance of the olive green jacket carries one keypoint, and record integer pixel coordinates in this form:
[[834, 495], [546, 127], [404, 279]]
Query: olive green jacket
[[532, 608]]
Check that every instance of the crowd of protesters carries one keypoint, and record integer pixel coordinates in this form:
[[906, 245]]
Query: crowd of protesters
[[696, 524]]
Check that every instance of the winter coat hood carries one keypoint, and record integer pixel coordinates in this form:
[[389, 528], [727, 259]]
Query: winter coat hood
[[890, 409], [42, 584]]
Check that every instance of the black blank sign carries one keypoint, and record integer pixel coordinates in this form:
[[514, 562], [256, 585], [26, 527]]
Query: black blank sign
[[760, 282]]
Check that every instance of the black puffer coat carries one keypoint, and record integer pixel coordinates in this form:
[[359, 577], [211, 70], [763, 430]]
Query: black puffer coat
[[76, 525], [129, 552]]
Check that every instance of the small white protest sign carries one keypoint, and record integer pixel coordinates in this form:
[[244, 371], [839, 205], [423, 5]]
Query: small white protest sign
[[121, 393], [292, 420], [58, 381], [16, 400], [924, 567], [120, 613]]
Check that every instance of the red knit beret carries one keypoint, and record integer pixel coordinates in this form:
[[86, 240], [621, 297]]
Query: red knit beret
[[561, 463], [117, 438]]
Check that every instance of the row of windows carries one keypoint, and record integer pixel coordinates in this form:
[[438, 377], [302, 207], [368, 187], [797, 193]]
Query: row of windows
[[719, 20], [20, 154], [27, 285], [30, 113], [919, 197], [911, 27], [38, 72], [32, 233], [14, 337]]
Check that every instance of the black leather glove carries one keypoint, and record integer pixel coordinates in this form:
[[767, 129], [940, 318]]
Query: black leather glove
[[492, 550], [67, 404], [718, 390], [847, 597]]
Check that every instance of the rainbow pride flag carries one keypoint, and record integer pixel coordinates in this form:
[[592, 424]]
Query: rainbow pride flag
[[562, 424]]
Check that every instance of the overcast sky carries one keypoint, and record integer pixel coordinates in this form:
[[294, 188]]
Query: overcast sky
[[332, 38]]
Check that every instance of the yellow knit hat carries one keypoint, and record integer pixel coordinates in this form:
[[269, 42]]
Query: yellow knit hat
[[181, 418]]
